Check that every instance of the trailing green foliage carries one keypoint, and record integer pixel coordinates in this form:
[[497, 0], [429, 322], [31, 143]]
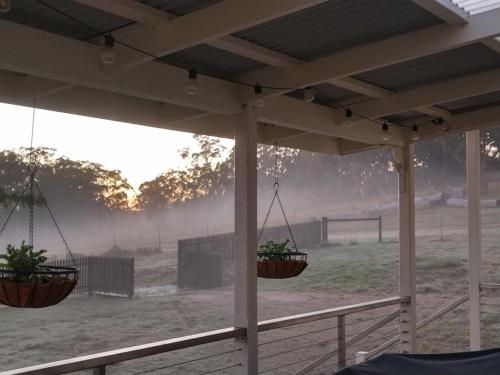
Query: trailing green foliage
[[275, 250], [24, 262]]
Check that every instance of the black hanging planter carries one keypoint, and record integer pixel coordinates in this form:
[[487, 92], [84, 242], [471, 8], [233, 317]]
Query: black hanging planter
[[284, 266], [48, 286]]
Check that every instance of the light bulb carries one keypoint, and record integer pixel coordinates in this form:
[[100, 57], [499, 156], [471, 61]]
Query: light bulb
[[259, 101], [348, 123], [414, 136], [108, 55], [192, 87], [442, 125], [385, 136], [309, 95], [5, 6]]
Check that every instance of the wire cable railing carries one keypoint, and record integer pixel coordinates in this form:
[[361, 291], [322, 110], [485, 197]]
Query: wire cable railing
[[342, 336], [174, 365]]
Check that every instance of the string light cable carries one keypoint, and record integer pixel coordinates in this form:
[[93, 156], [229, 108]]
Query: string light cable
[[109, 56]]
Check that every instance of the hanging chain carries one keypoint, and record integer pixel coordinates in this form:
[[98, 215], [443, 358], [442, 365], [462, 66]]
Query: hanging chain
[[31, 205], [286, 221], [276, 195], [13, 209], [261, 232], [32, 165], [44, 201], [276, 164]]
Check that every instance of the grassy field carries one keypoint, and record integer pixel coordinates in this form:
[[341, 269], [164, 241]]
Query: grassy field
[[352, 268]]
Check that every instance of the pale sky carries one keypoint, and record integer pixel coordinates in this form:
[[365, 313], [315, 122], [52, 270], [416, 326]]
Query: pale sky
[[141, 153]]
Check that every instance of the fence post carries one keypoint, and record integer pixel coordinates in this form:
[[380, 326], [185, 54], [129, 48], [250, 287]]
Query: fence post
[[90, 275], [131, 272], [99, 371], [324, 230], [341, 344], [380, 229]]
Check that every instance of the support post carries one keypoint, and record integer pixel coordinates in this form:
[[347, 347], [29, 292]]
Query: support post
[[474, 231], [245, 253], [324, 230], [407, 280], [99, 371], [341, 342]]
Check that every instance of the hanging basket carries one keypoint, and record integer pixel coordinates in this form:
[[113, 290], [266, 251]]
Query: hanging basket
[[282, 266], [50, 286]]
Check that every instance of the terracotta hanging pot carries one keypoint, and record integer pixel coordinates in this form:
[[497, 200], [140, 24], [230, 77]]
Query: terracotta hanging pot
[[50, 286], [271, 267]]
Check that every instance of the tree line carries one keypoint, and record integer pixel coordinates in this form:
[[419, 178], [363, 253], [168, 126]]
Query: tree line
[[90, 188]]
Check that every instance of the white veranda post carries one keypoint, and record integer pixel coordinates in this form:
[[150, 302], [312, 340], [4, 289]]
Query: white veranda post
[[474, 228], [245, 255], [407, 282]]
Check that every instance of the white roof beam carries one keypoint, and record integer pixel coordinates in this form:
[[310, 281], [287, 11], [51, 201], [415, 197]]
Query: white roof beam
[[78, 63], [468, 86], [368, 57], [477, 119], [449, 12], [349, 147], [493, 43], [297, 114], [117, 107], [106, 105], [74, 62]]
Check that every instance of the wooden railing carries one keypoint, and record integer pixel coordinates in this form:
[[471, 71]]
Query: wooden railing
[[99, 361]]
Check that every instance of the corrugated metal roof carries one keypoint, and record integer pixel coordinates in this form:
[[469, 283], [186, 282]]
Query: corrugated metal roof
[[338, 24], [468, 104], [34, 14], [212, 61], [179, 7], [326, 94], [437, 67], [477, 6]]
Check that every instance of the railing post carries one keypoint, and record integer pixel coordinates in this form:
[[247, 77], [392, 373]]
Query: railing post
[[245, 249], [341, 344], [474, 230], [324, 230], [380, 229], [99, 371], [407, 279]]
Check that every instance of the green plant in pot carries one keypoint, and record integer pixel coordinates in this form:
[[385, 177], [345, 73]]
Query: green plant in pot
[[275, 250], [24, 263], [276, 260]]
